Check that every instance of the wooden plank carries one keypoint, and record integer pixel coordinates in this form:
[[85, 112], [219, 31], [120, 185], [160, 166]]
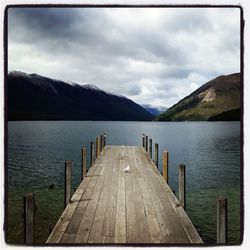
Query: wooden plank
[[66, 216], [104, 140], [130, 210], [182, 185], [155, 230], [87, 219], [29, 208], [156, 203], [120, 220], [68, 237], [101, 142], [114, 206], [165, 166], [96, 235], [142, 226], [79, 212], [84, 163], [74, 223], [67, 182], [92, 153], [171, 228], [64, 220], [96, 147], [189, 228], [110, 215], [143, 140], [187, 225], [150, 148], [156, 155], [222, 221]]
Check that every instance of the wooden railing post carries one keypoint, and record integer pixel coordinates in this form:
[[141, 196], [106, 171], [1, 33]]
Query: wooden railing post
[[104, 140], [182, 185], [84, 162], [67, 184], [165, 166], [156, 154], [143, 140], [222, 220], [92, 153], [101, 142], [96, 147], [146, 144], [150, 148], [99, 145], [29, 208]]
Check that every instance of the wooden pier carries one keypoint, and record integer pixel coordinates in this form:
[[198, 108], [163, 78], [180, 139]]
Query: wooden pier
[[113, 205]]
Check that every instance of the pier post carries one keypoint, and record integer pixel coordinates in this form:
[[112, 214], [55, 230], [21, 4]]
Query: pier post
[[84, 162], [150, 148], [143, 140], [92, 153], [165, 166], [101, 142], [67, 184], [156, 154], [146, 144], [104, 139], [99, 145], [29, 208], [96, 147], [222, 220], [182, 185]]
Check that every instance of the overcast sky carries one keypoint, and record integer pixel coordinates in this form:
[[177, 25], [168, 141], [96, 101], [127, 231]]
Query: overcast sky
[[153, 56]]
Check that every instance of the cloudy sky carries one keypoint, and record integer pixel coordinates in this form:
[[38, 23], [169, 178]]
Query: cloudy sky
[[151, 55]]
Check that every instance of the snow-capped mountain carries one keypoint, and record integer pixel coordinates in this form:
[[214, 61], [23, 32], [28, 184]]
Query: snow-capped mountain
[[35, 97]]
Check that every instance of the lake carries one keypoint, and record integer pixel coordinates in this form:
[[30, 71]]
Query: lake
[[37, 151]]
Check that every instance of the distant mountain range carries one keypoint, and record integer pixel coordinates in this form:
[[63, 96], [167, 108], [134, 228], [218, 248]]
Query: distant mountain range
[[154, 110], [35, 97], [218, 99]]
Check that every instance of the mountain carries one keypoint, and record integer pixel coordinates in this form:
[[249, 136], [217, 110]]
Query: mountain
[[231, 115], [154, 110], [216, 97], [35, 97]]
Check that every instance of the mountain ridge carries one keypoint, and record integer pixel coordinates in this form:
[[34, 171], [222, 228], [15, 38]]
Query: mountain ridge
[[218, 95], [35, 97]]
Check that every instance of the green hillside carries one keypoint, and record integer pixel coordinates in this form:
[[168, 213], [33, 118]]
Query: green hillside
[[213, 98]]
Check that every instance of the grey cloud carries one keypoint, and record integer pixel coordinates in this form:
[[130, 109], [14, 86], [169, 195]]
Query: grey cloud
[[148, 58], [133, 89], [43, 22]]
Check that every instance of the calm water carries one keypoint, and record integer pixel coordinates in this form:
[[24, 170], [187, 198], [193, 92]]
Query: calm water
[[210, 151]]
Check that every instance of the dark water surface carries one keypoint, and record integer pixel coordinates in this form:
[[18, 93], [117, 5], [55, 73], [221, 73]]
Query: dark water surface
[[210, 150]]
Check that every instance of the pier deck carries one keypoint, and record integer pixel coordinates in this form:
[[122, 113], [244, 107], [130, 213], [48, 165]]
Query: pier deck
[[116, 206]]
